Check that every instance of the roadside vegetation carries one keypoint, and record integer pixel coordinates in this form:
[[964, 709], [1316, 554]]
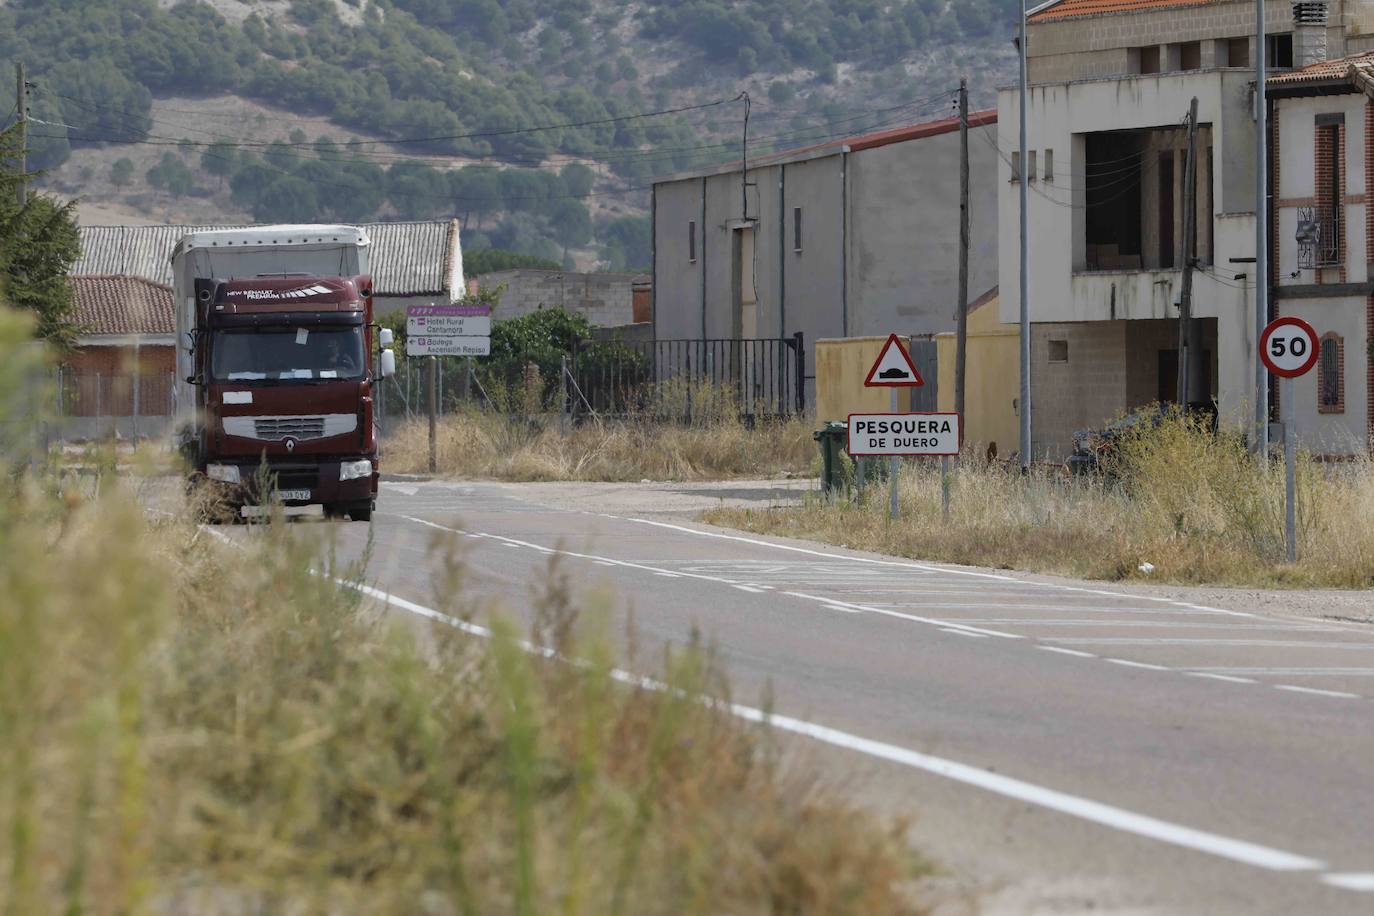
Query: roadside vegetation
[[1195, 507], [190, 727], [506, 446]]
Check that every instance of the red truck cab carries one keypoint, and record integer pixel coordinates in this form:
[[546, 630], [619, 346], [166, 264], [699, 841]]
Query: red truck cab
[[285, 371]]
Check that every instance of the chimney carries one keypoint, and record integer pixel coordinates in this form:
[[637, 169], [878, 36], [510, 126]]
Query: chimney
[[1309, 32]]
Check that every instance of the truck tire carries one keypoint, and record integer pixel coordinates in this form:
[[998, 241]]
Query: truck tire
[[362, 512]]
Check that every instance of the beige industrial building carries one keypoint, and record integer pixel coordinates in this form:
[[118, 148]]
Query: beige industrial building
[[850, 238]]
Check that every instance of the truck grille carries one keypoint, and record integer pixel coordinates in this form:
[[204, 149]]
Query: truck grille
[[302, 429], [270, 428]]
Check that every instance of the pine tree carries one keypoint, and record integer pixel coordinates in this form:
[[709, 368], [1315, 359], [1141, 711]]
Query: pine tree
[[38, 246]]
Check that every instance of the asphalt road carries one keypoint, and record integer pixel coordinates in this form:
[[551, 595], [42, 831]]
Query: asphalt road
[[1061, 748]]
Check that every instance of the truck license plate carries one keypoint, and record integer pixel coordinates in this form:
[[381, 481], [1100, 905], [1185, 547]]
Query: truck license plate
[[294, 495]]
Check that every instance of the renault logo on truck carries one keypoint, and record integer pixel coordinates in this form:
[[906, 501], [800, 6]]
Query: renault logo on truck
[[290, 442]]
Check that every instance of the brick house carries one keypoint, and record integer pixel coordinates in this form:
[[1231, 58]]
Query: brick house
[[1110, 87], [119, 377], [1323, 242]]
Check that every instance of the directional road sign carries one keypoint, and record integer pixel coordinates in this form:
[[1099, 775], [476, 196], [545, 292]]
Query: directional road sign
[[1289, 347], [448, 325], [894, 368], [448, 346], [904, 434]]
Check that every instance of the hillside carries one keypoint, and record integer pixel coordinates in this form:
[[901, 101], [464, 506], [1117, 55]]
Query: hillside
[[539, 124]]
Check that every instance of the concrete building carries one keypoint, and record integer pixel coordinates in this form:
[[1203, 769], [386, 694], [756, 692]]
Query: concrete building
[[850, 238], [413, 263], [1324, 243], [1111, 87], [607, 300]]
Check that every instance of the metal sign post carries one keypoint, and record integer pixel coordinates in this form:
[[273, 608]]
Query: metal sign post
[[1289, 348], [892, 472], [892, 369]]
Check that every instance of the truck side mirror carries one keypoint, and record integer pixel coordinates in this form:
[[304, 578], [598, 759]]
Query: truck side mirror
[[388, 363], [386, 337]]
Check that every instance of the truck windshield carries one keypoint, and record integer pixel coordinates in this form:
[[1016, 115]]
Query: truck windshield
[[286, 354]]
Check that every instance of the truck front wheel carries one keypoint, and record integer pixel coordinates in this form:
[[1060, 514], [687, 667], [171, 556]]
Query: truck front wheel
[[362, 512]]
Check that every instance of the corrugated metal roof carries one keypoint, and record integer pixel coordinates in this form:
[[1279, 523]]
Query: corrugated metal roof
[[1326, 70], [1075, 9], [408, 259], [122, 305]]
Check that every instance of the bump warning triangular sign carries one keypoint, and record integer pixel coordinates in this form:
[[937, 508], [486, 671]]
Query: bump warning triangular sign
[[894, 368]]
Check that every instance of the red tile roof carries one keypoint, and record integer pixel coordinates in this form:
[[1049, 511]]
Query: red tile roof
[[1075, 9], [107, 305], [1326, 70]]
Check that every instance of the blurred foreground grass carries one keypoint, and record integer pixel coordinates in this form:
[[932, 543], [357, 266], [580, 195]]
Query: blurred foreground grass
[[1194, 505], [190, 727]]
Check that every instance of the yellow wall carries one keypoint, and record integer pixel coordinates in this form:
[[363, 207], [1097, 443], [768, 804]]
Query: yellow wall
[[993, 380], [841, 367]]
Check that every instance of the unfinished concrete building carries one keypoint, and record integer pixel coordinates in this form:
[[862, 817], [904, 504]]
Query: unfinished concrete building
[[1111, 85]]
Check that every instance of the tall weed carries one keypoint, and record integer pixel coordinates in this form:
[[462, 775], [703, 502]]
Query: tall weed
[[1195, 505]]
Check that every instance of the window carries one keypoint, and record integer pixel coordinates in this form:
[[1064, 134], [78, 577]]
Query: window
[[1190, 55], [1016, 166], [1331, 375], [1238, 52], [796, 229], [1328, 181], [1049, 165], [1030, 170], [1149, 59], [1279, 51], [692, 241], [1059, 351]]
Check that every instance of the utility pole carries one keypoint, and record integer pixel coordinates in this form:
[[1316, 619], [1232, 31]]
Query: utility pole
[[1261, 233], [433, 414], [961, 356], [1024, 179], [1185, 300], [21, 101]]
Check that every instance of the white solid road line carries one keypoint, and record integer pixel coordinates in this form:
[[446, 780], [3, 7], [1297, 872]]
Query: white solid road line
[[1205, 641], [1109, 816]]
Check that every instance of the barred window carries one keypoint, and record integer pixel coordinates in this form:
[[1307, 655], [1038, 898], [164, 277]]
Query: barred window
[[1331, 375]]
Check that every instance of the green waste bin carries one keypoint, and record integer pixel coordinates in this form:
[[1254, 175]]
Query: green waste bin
[[832, 437]]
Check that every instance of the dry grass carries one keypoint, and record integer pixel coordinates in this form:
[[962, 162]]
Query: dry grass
[[1194, 505], [506, 447], [188, 728]]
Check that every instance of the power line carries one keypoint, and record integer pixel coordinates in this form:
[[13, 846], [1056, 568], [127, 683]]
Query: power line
[[610, 156]]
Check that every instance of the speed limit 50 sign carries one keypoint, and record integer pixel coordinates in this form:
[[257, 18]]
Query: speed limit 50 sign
[[1289, 347]]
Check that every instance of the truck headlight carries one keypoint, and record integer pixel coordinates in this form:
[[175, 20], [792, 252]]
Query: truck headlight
[[224, 473], [352, 470]]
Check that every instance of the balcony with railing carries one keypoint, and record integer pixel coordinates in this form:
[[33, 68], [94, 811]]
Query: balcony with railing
[[1319, 237]]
